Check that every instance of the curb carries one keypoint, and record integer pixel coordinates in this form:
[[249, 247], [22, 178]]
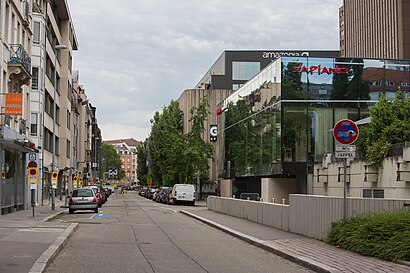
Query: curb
[[53, 215], [307, 263], [49, 255]]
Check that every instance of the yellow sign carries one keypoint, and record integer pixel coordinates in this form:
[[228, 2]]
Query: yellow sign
[[75, 182], [54, 178], [32, 176], [149, 181]]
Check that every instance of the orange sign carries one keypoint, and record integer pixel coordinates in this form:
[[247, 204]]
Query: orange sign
[[14, 104]]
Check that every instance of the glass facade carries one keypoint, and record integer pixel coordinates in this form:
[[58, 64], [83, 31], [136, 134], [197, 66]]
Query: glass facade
[[281, 121], [245, 70]]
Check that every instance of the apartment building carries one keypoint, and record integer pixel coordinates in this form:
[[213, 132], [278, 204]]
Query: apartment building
[[375, 29], [127, 149], [54, 40], [15, 67]]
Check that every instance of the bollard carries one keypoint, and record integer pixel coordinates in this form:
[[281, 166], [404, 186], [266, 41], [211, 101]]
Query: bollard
[[248, 198], [273, 200], [261, 199], [283, 201], [233, 196]]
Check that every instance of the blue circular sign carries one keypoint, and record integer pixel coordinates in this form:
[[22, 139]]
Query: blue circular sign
[[346, 131]]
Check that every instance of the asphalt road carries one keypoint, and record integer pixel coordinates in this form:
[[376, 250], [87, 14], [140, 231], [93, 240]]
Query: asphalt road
[[133, 234]]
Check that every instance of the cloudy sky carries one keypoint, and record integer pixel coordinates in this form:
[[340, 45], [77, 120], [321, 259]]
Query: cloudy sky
[[136, 56]]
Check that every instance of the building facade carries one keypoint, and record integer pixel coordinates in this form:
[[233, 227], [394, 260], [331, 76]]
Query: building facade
[[375, 29], [15, 66], [278, 125], [231, 70], [127, 149], [54, 40]]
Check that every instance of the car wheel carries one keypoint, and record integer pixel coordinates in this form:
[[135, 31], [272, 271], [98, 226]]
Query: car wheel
[[70, 211], [96, 210]]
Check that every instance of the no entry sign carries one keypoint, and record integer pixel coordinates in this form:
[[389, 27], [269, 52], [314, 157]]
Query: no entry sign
[[345, 131]]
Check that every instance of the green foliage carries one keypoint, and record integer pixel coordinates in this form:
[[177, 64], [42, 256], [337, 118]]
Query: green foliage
[[174, 157], [390, 124], [142, 159], [111, 159], [382, 235]]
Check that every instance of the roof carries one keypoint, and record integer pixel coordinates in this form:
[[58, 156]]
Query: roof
[[129, 141]]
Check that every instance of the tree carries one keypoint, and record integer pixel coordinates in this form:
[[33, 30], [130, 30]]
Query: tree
[[198, 151], [142, 160], [111, 159], [390, 124], [166, 146]]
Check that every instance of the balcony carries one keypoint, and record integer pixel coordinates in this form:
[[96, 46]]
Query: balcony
[[19, 57], [19, 67]]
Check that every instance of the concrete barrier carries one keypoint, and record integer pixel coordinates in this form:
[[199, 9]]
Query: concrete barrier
[[309, 215]]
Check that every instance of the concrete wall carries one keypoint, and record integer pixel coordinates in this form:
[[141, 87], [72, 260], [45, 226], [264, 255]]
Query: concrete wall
[[308, 215], [392, 178], [226, 188], [278, 188]]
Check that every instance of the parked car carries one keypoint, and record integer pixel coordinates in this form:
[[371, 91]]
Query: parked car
[[83, 199], [110, 188], [98, 194], [182, 194], [151, 192], [163, 198]]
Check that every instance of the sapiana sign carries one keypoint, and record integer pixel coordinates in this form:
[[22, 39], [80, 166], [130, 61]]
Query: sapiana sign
[[320, 70]]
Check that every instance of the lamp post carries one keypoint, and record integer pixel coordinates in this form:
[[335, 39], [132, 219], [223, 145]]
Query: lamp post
[[95, 161], [56, 49]]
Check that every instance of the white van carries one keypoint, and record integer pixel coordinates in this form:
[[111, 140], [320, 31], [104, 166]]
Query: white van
[[182, 193]]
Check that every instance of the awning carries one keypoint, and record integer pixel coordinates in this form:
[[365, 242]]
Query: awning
[[17, 145]]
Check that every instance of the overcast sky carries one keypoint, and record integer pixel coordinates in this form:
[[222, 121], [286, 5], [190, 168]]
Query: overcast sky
[[136, 56]]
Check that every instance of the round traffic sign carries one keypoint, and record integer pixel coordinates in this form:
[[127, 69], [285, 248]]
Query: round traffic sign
[[55, 175], [33, 171], [346, 131], [32, 164]]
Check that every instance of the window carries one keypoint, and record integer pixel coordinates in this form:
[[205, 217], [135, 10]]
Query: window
[[33, 124], [68, 146], [68, 119], [373, 193], [376, 83], [245, 70], [405, 84], [34, 79], [36, 32], [390, 83]]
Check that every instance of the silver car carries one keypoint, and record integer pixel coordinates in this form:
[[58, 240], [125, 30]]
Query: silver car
[[83, 199]]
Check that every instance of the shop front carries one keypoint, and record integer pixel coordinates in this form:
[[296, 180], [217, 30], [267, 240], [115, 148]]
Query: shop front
[[13, 182]]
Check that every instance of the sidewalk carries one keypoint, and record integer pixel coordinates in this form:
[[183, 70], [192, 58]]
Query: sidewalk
[[311, 253], [28, 243]]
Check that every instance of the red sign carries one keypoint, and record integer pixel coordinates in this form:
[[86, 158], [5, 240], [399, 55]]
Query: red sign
[[346, 131], [321, 70]]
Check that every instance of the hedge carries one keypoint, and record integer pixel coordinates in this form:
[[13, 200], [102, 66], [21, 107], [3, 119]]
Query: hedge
[[383, 235]]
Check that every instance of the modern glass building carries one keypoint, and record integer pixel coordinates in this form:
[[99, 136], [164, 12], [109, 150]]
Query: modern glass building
[[280, 123]]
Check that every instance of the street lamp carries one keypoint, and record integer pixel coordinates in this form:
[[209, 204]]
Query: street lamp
[[56, 49], [95, 163]]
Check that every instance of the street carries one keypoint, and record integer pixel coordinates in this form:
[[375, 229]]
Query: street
[[134, 234]]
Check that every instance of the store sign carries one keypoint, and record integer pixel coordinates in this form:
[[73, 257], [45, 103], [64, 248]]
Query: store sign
[[277, 54], [321, 70], [14, 104]]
